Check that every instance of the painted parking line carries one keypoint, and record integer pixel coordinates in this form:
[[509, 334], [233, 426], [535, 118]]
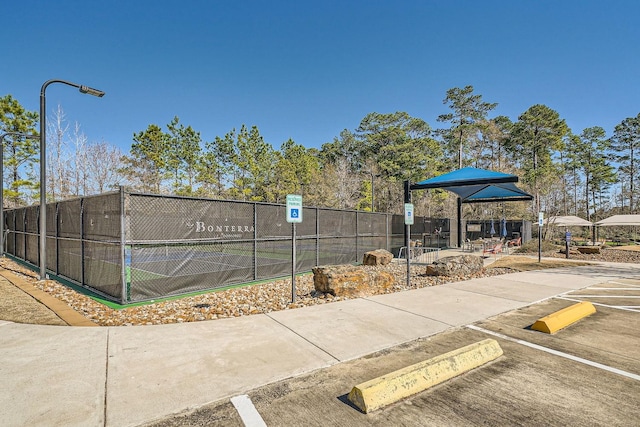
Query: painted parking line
[[619, 289], [620, 307], [248, 413], [614, 282], [605, 296], [558, 353]]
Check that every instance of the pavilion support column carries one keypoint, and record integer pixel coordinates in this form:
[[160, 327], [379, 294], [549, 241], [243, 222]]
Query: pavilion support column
[[459, 222]]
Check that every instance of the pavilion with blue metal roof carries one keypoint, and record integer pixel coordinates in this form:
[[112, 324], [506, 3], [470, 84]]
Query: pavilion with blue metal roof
[[473, 185]]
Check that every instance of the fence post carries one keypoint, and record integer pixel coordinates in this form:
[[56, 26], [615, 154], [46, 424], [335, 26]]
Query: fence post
[[57, 213], [357, 234], [387, 218], [123, 242], [317, 236], [10, 230], [24, 233], [82, 280], [255, 241]]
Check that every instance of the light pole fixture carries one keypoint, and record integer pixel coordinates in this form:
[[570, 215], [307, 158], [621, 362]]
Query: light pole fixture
[[43, 166], [24, 135]]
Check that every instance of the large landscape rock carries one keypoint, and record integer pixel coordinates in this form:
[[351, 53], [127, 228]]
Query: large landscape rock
[[572, 251], [455, 266], [377, 257], [350, 280]]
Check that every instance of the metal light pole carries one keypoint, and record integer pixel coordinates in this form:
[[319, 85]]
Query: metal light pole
[[43, 166], [25, 135], [372, 205], [373, 175]]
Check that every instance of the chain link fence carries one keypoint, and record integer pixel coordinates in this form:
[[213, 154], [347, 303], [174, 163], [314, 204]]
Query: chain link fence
[[131, 247]]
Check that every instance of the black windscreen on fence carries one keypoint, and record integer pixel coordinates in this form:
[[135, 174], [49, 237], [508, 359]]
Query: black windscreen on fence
[[131, 247]]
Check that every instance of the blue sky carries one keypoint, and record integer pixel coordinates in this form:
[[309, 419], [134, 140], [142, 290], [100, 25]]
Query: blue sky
[[306, 70]]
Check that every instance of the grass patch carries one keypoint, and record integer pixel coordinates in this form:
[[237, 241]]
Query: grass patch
[[532, 247]]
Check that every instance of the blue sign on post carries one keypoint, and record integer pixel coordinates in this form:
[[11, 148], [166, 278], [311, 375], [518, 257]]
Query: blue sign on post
[[408, 214], [294, 208]]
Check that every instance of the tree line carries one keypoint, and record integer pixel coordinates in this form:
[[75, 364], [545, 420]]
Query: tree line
[[589, 174]]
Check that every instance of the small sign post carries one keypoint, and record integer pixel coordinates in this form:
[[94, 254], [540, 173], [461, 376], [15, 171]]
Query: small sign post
[[567, 238], [408, 222], [540, 221], [294, 216]]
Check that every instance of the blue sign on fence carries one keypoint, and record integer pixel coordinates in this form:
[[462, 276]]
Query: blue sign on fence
[[294, 208]]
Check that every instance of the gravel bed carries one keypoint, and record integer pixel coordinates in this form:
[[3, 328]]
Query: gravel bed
[[254, 299], [606, 255]]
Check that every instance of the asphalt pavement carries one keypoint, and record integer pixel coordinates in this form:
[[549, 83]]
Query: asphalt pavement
[[128, 376]]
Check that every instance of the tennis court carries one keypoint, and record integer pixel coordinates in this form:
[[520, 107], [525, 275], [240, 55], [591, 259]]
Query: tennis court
[[131, 247]]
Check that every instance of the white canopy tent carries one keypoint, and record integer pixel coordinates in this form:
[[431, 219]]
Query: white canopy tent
[[620, 220], [567, 221]]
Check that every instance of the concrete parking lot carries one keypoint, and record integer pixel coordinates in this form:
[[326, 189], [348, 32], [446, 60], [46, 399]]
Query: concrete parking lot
[[296, 367], [585, 374]]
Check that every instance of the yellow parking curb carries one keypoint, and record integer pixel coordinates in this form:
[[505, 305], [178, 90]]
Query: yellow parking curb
[[390, 388], [563, 318]]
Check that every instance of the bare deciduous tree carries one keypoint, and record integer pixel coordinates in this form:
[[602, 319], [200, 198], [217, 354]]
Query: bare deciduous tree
[[57, 150], [80, 172], [103, 161]]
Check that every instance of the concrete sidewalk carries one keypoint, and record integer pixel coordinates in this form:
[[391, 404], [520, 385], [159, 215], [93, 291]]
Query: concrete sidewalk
[[126, 376]]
